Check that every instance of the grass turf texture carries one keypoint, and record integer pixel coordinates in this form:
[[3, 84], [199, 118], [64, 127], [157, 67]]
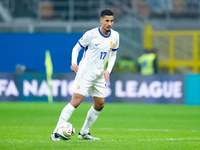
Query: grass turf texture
[[120, 126]]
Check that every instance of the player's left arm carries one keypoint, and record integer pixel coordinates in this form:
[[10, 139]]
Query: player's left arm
[[111, 62], [111, 59]]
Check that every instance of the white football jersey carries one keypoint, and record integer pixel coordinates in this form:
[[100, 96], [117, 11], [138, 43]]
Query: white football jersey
[[97, 49]]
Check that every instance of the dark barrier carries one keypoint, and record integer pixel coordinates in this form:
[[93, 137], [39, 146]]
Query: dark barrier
[[124, 88], [129, 88]]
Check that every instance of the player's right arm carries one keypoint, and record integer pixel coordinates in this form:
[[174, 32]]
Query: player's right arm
[[75, 52], [82, 43]]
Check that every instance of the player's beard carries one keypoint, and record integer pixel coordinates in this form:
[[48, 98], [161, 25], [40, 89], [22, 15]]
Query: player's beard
[[108, 29]]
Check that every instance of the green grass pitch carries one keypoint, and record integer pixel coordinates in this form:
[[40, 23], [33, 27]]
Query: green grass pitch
[[28, 126]]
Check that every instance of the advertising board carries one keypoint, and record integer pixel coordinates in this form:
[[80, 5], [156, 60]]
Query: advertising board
[[123, 88]]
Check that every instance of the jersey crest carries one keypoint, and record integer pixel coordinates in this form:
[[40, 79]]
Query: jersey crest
[[112, 44]]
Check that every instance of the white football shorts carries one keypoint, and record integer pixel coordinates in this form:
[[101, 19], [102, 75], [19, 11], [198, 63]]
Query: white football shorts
[[95, 88]]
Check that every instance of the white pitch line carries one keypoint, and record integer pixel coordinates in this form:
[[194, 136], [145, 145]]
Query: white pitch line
[[114, 140], [163, 130], [170, 139], [149, 130], [149, 140]]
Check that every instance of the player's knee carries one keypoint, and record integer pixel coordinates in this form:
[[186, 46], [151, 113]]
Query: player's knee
[[99, 106], [102, 106], [76, 100]]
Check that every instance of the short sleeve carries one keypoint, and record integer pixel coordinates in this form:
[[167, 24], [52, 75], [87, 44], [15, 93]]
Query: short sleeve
[[85, 39], [116, 46]]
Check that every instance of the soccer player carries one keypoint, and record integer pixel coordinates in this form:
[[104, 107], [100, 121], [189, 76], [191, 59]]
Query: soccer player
[[100, 43]]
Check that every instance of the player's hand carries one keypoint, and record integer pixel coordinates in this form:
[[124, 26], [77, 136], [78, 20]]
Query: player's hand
[[106, 74], [74, 67]]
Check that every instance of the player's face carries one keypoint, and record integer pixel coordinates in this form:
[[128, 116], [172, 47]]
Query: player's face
[[106, 23]]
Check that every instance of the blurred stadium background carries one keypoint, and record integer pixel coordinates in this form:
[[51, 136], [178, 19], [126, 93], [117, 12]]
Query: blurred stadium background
[[33, 30], [170, 26]]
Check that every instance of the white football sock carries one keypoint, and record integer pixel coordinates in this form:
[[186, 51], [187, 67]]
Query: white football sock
[[65, 115], [92, 116]]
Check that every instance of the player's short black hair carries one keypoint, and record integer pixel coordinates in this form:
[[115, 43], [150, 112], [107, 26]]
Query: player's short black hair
[[106, 12]]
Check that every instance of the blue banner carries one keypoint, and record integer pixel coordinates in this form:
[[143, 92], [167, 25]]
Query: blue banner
[[29, 50]]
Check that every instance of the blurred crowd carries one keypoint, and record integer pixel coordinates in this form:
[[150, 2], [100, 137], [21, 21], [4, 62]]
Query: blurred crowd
[[88, 9]]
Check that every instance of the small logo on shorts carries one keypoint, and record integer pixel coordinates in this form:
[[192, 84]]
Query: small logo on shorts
[[78, 87]]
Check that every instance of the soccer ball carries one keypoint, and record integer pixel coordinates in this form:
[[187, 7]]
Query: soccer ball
[[66, 131]]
